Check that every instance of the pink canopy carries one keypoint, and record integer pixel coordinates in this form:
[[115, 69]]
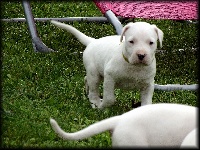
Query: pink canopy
[[174, 10]]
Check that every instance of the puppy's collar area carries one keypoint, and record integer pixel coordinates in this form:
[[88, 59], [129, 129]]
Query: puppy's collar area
[[125, 58]]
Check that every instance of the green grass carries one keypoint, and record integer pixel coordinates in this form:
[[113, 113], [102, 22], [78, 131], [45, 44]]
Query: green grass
[[38, 86]]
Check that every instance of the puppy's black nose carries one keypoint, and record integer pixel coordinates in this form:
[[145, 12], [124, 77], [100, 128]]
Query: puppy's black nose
[[141, 57]]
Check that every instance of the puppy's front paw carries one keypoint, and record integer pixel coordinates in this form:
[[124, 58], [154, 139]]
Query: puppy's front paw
[[105, 104], [96, 104]]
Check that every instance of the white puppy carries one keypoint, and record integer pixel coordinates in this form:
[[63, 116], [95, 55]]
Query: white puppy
[[147, 126], [127, 65]]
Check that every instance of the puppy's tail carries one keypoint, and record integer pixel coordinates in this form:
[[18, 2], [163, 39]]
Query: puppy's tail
[[96, 128], [84, 39]]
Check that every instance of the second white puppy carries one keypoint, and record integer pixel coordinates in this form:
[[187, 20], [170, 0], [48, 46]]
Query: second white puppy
[[147, 126], [128, 65]]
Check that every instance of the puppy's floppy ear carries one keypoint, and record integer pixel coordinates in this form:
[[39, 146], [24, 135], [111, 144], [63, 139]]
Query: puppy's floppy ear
[[159, 33], [125, 28]]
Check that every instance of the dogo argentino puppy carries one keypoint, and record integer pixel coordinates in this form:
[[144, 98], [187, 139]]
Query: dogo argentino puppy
[[147, 126], [127, 65]]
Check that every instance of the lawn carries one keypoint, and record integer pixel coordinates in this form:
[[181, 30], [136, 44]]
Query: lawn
[[37, 86]]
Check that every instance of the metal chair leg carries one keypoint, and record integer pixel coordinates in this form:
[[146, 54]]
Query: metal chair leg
[[38, 45], [114, 21]]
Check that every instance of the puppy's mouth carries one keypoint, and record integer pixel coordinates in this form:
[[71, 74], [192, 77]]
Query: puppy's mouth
[[140, 63]]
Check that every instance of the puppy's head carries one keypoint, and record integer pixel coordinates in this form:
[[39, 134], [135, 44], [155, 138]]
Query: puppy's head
[[140, 42]]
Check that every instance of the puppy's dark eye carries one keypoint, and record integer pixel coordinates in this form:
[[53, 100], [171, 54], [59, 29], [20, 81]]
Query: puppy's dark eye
[[131, 42], [150, 43]]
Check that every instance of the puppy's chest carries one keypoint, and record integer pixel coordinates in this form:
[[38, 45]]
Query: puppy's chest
[[131, 83], [129, 79]]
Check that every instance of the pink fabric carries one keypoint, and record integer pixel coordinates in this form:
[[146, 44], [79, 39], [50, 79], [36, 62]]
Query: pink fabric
[[175, 10]]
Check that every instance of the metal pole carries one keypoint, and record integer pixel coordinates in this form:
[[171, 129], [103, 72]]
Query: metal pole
[[174, 87], [67, 19]]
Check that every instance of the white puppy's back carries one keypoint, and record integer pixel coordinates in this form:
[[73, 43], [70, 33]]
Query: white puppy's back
[[146, 126], [156, 125]]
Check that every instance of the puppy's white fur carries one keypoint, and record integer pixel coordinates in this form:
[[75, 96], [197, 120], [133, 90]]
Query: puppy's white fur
[[127, 65], [147, 126]]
